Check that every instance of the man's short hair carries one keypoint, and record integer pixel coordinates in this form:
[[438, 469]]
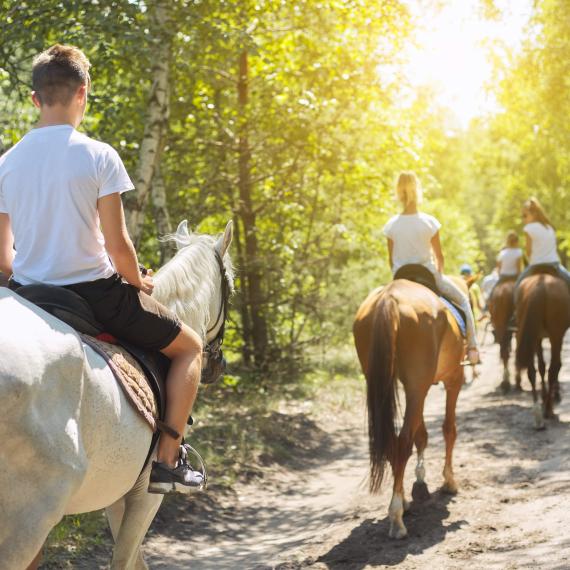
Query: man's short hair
[[58, 72]]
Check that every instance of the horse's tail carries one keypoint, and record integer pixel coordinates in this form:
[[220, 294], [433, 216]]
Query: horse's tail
[[381, 388], [529, 326]]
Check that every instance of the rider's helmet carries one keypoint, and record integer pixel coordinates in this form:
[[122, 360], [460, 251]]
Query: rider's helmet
[[465, 269]]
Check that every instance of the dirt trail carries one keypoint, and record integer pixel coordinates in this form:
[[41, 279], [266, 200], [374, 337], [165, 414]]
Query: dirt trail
[[511, 510]]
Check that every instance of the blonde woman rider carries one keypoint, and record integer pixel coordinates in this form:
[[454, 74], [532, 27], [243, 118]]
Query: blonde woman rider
[[540, 241], [413, 238]]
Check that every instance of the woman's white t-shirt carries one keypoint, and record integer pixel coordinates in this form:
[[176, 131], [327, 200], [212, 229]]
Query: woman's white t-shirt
[[508, 258], [543, 247], [411, 235], [50, 182]]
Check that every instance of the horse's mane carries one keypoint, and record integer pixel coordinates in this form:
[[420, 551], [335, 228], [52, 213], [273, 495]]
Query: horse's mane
[[187, 282]]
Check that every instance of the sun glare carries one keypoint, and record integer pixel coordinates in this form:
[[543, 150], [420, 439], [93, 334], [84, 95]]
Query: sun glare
[[452, 51]]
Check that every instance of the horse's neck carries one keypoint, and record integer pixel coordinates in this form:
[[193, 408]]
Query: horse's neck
[[189, 294]]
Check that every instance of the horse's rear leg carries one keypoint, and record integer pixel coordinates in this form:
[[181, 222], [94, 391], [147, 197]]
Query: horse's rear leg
[[450, 435], [404, 443], [420, 490]]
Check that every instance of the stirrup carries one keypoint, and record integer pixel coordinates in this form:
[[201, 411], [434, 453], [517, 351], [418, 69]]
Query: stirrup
[[185, 449]]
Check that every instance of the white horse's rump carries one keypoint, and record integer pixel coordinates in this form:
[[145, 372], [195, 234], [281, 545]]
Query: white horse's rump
[[71, 442]]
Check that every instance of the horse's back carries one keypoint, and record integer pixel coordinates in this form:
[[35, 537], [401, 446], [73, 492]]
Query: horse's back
[[424, 325], [544, 299]]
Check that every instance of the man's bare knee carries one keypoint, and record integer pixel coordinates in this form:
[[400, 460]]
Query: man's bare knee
[[187, 343]]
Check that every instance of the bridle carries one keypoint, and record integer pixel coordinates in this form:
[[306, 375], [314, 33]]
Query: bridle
[[213, 357]]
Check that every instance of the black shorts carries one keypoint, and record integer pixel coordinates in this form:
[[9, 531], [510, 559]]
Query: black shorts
[[128, 313]]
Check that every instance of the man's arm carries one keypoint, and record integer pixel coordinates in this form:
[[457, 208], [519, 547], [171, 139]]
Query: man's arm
[[6, 245], [118, 243]]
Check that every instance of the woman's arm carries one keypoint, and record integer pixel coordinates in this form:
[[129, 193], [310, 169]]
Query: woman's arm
[[390, 250], [436, 246], [528, 246], [6, 245]]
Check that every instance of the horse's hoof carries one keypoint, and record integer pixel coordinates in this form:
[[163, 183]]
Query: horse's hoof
[[398, 532], [505, 387], [450, 487], [557, 398], [420, 492]]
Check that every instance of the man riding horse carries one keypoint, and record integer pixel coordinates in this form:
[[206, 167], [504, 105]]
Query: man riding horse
[[57, 186]]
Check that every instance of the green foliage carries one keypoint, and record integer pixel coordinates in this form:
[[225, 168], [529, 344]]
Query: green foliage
[[320, 138]]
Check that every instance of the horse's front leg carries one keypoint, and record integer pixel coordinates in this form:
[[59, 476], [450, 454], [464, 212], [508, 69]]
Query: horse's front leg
[[450, 435], [130, 518], [536, 409]]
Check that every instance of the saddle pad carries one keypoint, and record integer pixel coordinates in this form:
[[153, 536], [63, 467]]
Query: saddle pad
[[130, 377], [456, 315]]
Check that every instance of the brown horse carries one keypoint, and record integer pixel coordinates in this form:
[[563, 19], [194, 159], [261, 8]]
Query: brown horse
[[405, 331], [543, 311], [501, 309]]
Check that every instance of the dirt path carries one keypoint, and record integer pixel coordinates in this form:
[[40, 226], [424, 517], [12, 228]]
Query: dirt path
[[511, 510]]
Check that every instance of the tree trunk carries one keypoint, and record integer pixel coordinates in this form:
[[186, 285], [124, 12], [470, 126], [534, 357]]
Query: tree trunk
[[251, 270], [156, 123], [161, 215]]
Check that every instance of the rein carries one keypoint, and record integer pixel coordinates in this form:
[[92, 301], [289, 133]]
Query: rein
[[215, 361]]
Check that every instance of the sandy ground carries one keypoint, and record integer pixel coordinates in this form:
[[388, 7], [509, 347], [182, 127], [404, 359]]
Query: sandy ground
[[512, 510]]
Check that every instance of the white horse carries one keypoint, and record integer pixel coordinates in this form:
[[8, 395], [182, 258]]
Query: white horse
[[70, 441]]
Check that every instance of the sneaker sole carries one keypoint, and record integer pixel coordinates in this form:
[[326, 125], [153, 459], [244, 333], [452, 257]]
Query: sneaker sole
[[165, 488]]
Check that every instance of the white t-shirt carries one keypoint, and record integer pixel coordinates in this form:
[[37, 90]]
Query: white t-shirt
[[543, 248], [50, 182], [508, 258], [411, 235]]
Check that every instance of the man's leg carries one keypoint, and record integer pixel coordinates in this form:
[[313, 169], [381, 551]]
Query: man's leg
[[185, 352]]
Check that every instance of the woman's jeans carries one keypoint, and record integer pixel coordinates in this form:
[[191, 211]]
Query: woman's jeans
[[449, 289]]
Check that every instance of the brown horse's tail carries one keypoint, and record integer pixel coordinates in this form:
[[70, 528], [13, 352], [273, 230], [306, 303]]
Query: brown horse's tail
[[529, 325], [382, 389]]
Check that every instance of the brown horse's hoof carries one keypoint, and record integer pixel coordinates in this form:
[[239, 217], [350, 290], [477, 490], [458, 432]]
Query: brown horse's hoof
[[505, 387], [420, 492], [449, 487], [557, 397]]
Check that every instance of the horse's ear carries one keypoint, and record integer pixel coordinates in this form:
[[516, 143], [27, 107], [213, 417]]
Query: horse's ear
[[224, 242], [182, 234]]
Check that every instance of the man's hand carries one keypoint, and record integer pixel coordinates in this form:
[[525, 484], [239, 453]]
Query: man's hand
[[147, 283]]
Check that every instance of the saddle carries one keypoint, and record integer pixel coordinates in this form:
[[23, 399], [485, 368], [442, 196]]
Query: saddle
[[141, 374], [543, 269], [423, 276]]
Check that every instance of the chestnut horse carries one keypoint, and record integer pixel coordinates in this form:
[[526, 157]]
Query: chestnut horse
[[501, 310], [405, 331], [543, 311]]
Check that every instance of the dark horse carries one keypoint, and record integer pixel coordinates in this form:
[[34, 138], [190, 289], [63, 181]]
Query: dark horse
[[405, 331], [543, 311], [501, 309]]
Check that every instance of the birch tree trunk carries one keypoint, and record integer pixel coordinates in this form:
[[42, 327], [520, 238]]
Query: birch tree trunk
[[161, 215], [156, 122]]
